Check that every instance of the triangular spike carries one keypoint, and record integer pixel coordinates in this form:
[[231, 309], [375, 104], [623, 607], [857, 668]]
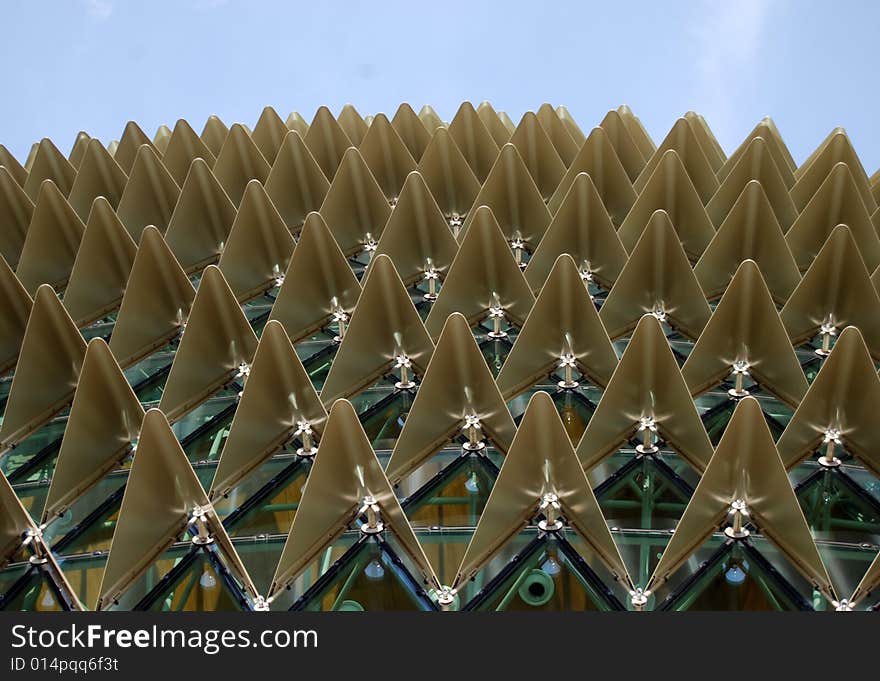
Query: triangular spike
[[15, 308], [132, 139], [836, 291], [215, 347], [385, 332], [514, 199], [318, 283], [183, 148], [869, 582], [745, 478], [457, 394], [161, 138], [296, 183], [647, 393], [49, 164], [355, 208], [656, 279], [836, 149], [749, 232], [214, 134], [474, 141], [571, 126], [77, 151], [297, 123], [259, 246], [278, 400], [539, 154], [745, 336], [767, 130], [670, 189], [102, 266], [345, 477], [708, 143], [559, 136], [637, 131], [621, 141], [150, 195], [411, 130], [417, 237], [98, 175], [104, 421], [52, 241], [598, 160], [13, 167], [540, 468], [562, 329], [352, 123], [449, 177], [484, 276], [493, 123], [162, 497], [581, 227], [836, 202], [327, 141], [682, 140], [756, 163], [430, 118], [31, 157], [508, 123], [386, 156], [52, 352], [113, 146], [239, 162], [200, 224], [269, 133], [156, 302], [16, 212]]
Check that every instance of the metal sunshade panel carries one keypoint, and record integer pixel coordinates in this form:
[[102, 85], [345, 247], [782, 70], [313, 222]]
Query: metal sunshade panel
[[411, 130], [269, 133], [353, 124], [98, 175], [430, 118], [184, 147], [16, 211], [571, 125], [474, 140], [386, 156], [637, 131], [327, 141], [131, 140], [15, 308], [296, 183], [150, 194], [214, 134], [705, 137], [49, 164], [538, 154], [767, 130], [631, 158], [448, 175], [16, 171], [559, 136], [493, 123], [239, 162]]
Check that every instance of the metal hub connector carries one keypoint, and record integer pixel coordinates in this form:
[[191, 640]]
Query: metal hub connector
[[518, 245], [474, 432], [842, 606], [567, 364], [739, 512], [260, 604], [446, 597], [370, 244], [432, 276], [739, 371], [374, 522], [659, 312], [831, 440], [199, 518], [305, 433], [455, 222], [647, 429], [496, 314], [552, 511], [278, 275], [827, 331], [638, 599], [403, 364], [340, 318], [34, 538]]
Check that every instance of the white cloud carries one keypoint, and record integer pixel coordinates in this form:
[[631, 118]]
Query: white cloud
[[100, 9]]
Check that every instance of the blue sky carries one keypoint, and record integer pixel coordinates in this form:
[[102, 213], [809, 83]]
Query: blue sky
[[94, 64]]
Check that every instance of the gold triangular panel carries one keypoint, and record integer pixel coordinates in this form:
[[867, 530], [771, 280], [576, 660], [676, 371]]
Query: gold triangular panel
[[161, 138], [493, 123], [411, 130], [16, 212], [132, 139], [637, 131], [78, 150], [448, 175], [184, 147], [429, 117], [353, 124], [835, 149], [150, 195], [13, 167], [559, 136], [98, 175], [539, 154], [49, 164], [474, 140], [239, 162], [706, 139], [327, 141], [767, 130], [269, 133], [213, 135], [15, 308], [386, 156], [296, 183], [625, 148], [571, 126], [296, 122]]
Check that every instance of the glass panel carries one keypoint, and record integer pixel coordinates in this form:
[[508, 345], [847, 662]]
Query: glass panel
[[36, 594], [200, 588], [454, 500]]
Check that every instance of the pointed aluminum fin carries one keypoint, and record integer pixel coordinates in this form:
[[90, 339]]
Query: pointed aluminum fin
[[78, 150], [132, 139], [571, 126], [430, 118], [559, 136], [836, 202], [156, 302], [417, 235], [161, 138], [514, 199], [217, 341], [13, 167], [278, 396], [49, 164], [269, 133], [200, 224], [102, 266], [386, 156], [634, 125], [624, 147], [327, 141], [746, 467], [16, 212], [598, 160], [836, 288], [448, 175], [184, 147], [352, 123], [563, 321], [298, 123], [345, 471], [746, 327], [484, 270], [98, 175], [161, 493], [15, 308], [540, 461], [836, 149], [869, 582], [842, 397], [259, 246], [52, 352], [355, 208], [646, 384], [52, 241], [411, 130], [150, 195], [767, 130], [384, 325], [31, 158], [239, 162], [457, 384], [493, 123], [581, 227], [296, 183], [104, 421], [474, 140], [756, 163], [749, 232], [657, 276], [538, 154], [681, 139], [213, 135], [317, 276], [706, 139]]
